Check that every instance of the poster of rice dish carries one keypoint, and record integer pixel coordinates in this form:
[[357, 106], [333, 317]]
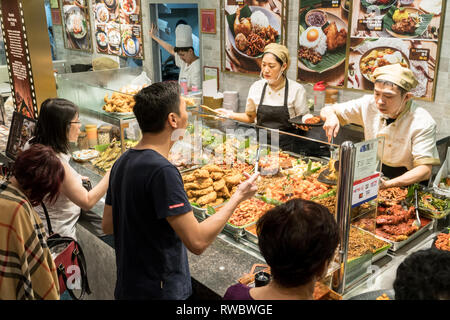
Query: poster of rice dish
[[322, 42], [386, 32], [76, 25], [118, 27], [249, 26]]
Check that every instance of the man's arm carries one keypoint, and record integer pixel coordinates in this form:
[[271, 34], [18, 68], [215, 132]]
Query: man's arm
[[198, 236], [107, 221], [414, 175], [169, 48]]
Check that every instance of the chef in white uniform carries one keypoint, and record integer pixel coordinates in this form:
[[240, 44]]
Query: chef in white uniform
[[185, 58], [410, 132]]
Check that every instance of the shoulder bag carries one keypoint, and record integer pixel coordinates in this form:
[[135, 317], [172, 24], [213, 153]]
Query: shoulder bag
[[70, 262]]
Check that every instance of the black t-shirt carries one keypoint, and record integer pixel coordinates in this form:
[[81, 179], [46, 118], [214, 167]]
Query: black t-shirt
[[145, 189]]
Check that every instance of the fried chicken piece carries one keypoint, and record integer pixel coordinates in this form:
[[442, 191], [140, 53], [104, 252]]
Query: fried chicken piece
[[224, 192], [335, 38], [192, 199], [219, 184], [199, 184], [201, 173], [234, 179], [212, 168], [202, 192], [208, 198], [189, 193], [217, 175], [188, 178], [217, 202]]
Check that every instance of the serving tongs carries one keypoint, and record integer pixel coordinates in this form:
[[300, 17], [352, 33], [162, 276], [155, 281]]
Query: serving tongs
[[416, 222], [258, 153], [209, 109]]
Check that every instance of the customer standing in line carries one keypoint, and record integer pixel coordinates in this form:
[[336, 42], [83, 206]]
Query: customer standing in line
[[148, 209], [298, 240], [58, 124], [27, 270]]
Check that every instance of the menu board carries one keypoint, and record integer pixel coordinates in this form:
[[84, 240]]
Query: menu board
[[380, 32], [323, 27], [76, 24], [249, 26], [18, 58], [118, 27]]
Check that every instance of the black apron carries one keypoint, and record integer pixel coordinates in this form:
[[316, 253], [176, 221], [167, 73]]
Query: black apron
[[393, 172], [276, 117]]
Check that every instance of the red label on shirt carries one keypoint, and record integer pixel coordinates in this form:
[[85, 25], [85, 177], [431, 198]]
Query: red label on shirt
[[176, 206]]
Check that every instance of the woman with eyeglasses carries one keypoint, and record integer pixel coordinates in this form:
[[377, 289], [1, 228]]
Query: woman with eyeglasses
[[58, 125]]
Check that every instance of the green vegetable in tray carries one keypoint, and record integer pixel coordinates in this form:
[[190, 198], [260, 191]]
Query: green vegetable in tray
[[428, 201], [270, 201], [210, 210], [330, 193]]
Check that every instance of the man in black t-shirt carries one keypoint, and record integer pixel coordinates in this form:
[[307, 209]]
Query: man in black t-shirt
[[148, 210]]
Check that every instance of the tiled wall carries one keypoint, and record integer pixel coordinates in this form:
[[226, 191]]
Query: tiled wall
[[439, 109], [211, 53]]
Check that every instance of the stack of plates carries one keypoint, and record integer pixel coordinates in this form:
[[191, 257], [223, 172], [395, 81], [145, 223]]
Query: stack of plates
[[231, 100]]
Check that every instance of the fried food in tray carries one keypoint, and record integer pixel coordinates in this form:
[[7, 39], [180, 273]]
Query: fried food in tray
[[443, 241], [119, 102], [384, 296], [393, 223], [211, 185], [392, 196], [249, 211], [107, 158]]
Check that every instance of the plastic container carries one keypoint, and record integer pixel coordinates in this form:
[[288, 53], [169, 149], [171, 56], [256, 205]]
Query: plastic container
[[83, 143], [104, 134], [92, 135], [319, 95], [184, 86]]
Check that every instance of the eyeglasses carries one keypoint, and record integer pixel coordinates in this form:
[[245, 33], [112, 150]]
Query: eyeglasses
[[75, 122]]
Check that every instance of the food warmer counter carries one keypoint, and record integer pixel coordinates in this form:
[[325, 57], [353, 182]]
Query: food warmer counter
[[223, 149]]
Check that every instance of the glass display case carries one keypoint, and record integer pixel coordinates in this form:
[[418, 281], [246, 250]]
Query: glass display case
[[344, 178]]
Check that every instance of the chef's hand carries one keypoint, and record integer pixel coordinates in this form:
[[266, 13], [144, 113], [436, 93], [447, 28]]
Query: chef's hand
[[331, 126], [385, 183], [248, 188], [225, 112]]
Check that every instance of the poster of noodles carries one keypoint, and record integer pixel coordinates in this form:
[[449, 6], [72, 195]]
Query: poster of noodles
[[118, 27], [322, 41], [76, 24], [385, 32], [248, 26]]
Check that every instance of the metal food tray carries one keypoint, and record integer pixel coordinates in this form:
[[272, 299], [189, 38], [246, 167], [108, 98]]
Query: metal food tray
[[251, 237], [235, 231], [397, 245]]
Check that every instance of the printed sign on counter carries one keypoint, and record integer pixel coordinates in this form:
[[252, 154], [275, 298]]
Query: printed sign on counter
[[365, 190]]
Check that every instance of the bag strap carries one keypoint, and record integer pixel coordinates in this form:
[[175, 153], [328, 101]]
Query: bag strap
[[47, 217]]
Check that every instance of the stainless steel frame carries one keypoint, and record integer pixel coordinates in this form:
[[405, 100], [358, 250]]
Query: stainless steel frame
[[344, 198]]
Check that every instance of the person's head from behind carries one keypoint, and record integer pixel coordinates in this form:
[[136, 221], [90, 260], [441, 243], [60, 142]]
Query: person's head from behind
[[298, 240], [40, 174], [58, 124], [424, 275], [160, 107]]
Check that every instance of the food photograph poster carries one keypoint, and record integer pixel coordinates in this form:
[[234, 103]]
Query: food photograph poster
[[322, 42], [76, 24], [249, 26], [118, 28], [395, 31]]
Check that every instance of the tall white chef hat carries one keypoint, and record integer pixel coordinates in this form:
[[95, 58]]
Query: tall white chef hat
[[183, 36]]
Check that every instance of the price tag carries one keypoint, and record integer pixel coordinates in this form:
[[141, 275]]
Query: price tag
[[370, 24], [365, 190], [331, 3], [419, 54]]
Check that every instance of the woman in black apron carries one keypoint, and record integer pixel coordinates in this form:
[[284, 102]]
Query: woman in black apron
[[269, 115]]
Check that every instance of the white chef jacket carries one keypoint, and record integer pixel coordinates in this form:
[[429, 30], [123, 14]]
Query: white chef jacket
[[410, 140], [296, 98], [191, 72]]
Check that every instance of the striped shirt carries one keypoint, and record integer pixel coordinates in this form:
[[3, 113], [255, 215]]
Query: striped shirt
[[27, 270]]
